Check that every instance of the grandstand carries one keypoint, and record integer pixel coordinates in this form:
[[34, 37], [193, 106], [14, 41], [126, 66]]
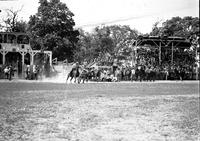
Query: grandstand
[[162, 46], [165, 52]]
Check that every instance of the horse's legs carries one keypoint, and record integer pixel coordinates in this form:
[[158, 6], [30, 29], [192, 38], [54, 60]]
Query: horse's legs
[[78, 80], [75, 79], [71, 78], [67, 77]]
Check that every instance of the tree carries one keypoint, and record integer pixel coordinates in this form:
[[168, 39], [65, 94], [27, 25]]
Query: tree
[[176, 26], [52, 29], [84, 50], [12, 23], [156, 30], [122, 37], [105, 42]]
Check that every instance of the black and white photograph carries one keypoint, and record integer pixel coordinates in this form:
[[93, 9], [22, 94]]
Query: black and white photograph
[[99, 70]]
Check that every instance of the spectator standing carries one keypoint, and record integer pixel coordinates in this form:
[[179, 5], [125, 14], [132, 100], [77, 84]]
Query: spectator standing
[[28, 71], [182, 74], [6, 72], [166, 73], [10, 72], [147, 72], [133, 74], [118, 74], [35, 71]]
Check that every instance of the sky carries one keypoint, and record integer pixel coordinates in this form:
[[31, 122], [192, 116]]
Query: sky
[[138, 14]]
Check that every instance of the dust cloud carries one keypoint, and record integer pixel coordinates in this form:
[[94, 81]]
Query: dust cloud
[[58, 75]]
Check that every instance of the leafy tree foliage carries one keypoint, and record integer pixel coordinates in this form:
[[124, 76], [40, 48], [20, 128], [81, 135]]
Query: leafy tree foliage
[[182, 27], [105, 42], [123, 37], [84, 49], [52, 29], [12, 23]]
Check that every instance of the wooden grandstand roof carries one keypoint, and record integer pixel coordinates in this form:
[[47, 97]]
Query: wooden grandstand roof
[[165, 41]]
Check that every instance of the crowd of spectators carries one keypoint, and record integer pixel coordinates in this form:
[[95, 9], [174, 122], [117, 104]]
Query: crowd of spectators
[[31, 72], [183, 67], [7, 71]]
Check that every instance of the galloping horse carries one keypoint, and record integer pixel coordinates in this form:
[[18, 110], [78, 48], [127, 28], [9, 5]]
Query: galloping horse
[[84, 76], [74, 73], [79, 74]]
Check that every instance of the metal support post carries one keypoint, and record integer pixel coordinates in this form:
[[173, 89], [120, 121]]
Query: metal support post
[[172, 57], [32, 58], [4, 57], [23, 67], [136, 55], [50, 58], [160, 54]]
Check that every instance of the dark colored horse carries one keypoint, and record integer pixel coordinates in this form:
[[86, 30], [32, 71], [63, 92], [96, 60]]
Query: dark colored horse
[[79, 74], [83, 76], [74, 73], [140, 74], [127, 74]]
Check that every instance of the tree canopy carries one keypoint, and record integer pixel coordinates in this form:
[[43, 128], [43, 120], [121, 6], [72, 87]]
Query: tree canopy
[[177, 26], [12, 23], [52, 28], [105, 41]]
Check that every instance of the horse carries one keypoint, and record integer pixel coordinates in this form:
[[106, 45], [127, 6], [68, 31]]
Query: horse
[[79, 74], [140, 74], [83, 75], [88, 74], [74, 73], [127, 74]]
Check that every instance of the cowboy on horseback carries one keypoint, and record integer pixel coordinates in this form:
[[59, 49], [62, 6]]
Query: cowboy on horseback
[[75, 65], [74, 73]]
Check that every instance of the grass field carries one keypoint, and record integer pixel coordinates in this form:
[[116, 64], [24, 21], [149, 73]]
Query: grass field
[[160, 111]]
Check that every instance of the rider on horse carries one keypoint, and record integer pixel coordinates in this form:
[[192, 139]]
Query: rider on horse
[[75, 66], [74, 71]]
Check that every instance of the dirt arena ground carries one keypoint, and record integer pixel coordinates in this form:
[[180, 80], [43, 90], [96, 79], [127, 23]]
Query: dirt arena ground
[[159, 111]]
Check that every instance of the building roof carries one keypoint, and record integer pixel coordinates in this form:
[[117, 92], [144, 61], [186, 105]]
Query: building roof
[[15, 33], [164, 41]]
